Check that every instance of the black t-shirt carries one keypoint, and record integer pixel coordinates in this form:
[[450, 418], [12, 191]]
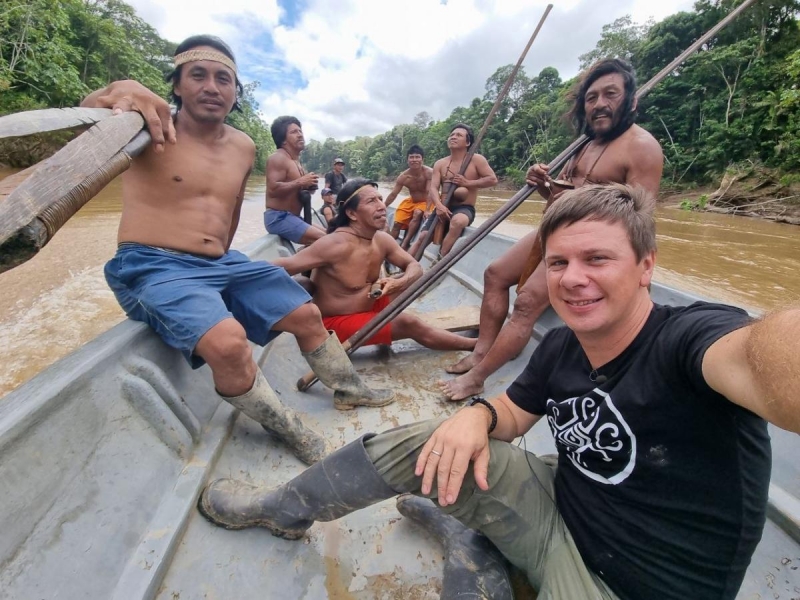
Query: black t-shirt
[[662, 481], [335, 181]]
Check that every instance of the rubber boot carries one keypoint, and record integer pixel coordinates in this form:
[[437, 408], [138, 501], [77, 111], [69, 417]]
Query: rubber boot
[[332, 366], [339, 484], [473, 567], [262, 405]]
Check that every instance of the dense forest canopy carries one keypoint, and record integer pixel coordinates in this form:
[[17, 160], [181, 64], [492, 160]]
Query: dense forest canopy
[[54, 52], [737, 99]]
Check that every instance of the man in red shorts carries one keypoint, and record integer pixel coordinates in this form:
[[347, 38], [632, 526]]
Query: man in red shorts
[[347, 263]]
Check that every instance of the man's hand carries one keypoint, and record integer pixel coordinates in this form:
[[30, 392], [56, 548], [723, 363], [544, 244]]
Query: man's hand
[[308, 180], [391, 285], [537, 175], [129, 95], [443, 212], [445, 457], [461, 181]]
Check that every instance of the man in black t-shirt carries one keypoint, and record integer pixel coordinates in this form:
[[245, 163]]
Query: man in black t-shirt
[[334, 180], [659, 416]]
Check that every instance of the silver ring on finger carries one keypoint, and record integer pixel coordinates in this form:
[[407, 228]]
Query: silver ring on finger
[[436, 453]]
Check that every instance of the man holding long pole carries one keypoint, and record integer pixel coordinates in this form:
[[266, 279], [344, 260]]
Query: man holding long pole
[[619, 152], [447, 172]]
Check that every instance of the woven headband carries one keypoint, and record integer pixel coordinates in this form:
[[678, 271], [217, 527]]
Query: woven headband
[[193, 55], [357, 192]]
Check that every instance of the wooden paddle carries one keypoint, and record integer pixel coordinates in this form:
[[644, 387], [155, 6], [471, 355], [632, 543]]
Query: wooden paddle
[[38, 201], [403, 300], [50, 119]]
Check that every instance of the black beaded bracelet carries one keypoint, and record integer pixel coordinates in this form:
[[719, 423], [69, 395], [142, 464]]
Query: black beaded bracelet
[[479, 400]]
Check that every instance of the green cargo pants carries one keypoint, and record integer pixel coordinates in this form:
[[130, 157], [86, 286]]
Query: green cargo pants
[[518, 513]]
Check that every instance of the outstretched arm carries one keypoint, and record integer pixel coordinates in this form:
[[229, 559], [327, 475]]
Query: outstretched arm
[[398, 187], [325, 251], [128, 95], [758, 368]]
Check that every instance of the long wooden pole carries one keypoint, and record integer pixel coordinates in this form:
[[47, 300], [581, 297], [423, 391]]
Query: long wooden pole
[[33, 211], [403, 300], [427, 235]]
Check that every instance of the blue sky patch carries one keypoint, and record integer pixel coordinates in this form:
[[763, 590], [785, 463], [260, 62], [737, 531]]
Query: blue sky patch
[[291, 11]]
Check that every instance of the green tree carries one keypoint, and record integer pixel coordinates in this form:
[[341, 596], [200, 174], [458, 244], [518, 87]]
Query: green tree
[[620, 39], [251, 121]]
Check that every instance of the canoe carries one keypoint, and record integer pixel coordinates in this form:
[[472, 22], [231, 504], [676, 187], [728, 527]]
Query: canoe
[[103, 455]]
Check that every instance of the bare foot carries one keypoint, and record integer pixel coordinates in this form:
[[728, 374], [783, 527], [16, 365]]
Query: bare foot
[[464, 365], [461, 388]]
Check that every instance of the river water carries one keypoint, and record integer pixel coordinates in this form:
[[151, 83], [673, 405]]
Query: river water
[[59, 300]]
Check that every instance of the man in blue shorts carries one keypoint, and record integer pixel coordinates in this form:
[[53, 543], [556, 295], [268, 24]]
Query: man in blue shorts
[[289, 187], [659, 415], [174, 268]]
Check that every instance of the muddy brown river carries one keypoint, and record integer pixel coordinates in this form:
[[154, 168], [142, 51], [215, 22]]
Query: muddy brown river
[[59, 300]]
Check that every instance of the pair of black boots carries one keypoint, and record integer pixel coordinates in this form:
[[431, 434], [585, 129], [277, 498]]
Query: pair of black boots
[[346, 481]]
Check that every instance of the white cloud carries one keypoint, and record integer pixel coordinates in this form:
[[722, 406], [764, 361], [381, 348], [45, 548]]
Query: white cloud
[[355, 68]]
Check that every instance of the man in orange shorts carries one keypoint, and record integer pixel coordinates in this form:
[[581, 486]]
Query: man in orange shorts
[[346, 264], [417, 178]]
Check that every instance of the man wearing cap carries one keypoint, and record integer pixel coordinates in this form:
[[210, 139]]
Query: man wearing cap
[[174, 268], [328, 209], [334, 180]]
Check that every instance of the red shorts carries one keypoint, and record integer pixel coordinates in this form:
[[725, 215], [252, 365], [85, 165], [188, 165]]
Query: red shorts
[[346, 325]]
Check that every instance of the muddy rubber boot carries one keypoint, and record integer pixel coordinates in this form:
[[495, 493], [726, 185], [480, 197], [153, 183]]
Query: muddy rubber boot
[[339, 484], [473, 567], [332, 366], [262, 405]]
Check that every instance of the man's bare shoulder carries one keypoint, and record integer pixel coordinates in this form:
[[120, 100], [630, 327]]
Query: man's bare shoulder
[[403, 177], [277, 159], [638, 139], [385, 241], [428, 171], [241, 141], [441, 163]]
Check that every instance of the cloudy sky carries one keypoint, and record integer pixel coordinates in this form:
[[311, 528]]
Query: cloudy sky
[[347, 68]]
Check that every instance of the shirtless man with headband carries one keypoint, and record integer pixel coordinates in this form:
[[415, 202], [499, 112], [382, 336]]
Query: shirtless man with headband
[[174, 268], [347, 263]]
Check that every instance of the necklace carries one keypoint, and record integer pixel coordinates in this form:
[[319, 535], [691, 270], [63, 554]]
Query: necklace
[[295, 161], [574, 166], [369, 239]]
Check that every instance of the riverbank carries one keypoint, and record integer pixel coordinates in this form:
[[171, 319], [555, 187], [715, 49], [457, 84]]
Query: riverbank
[[747, 191]]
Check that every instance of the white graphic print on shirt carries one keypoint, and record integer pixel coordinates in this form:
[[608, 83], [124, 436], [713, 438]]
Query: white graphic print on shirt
[[593, 432]]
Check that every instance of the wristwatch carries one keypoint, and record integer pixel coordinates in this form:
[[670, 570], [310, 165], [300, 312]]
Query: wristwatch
[[479, 400]]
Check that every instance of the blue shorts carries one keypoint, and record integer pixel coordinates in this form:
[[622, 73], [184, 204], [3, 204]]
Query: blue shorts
[[183, 295], [285, 224]]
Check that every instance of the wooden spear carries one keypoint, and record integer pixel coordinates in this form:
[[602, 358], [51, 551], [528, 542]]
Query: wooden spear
[[404, 299], [427, 235]]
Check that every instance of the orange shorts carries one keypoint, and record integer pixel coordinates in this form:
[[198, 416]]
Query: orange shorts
[[346, 325], [404, 212]]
